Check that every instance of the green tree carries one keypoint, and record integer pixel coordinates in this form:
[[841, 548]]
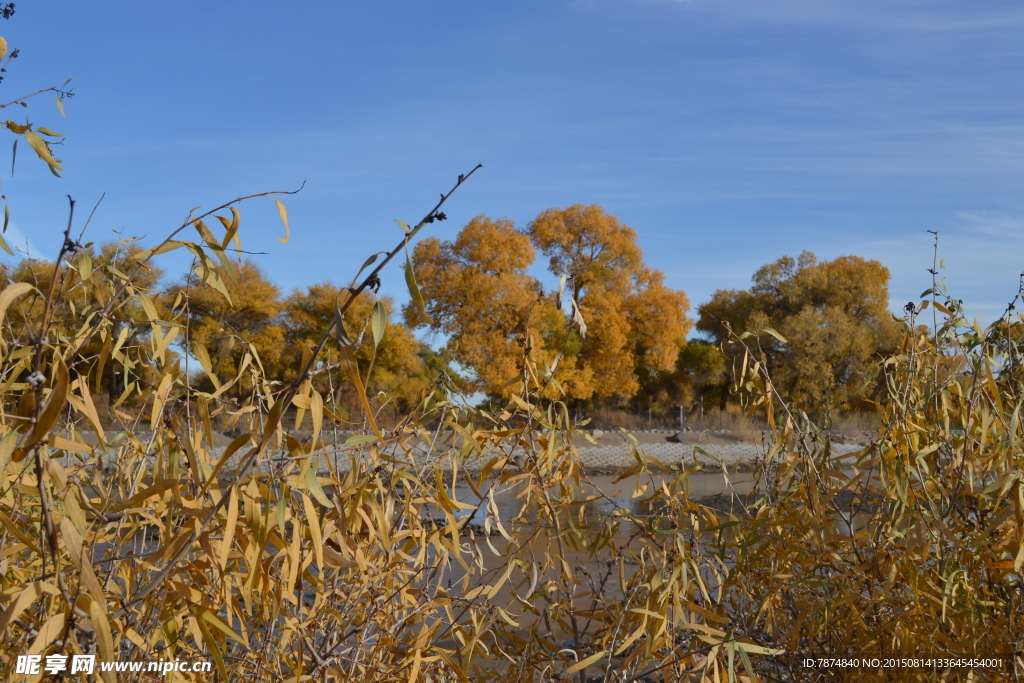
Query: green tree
[[833, 316], [700, 368], [695, 379]]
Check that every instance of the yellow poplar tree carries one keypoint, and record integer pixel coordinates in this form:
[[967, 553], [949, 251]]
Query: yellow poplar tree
[[226, 327], [395, 366], [635, 324], [478, 294], [481, 297]]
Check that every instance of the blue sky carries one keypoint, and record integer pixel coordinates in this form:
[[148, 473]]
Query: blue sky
[[726, 132]]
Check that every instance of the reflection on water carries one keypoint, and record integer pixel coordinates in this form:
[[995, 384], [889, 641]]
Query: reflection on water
[[619, 495]]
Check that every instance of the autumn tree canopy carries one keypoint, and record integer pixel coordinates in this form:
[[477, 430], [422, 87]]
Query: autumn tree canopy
[[481, 297], [400, 366], [281, 330], [833, 316], [225, 328], [478, 294]]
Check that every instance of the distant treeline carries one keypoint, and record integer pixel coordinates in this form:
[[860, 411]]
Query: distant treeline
[[822, 326]]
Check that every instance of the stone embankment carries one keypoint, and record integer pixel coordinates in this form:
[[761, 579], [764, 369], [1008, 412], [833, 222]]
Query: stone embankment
[[735, 456], [602, 452]]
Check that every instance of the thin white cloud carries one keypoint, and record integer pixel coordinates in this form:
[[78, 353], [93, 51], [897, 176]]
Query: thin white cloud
[[20, 244], [886, 15], [998, 226]]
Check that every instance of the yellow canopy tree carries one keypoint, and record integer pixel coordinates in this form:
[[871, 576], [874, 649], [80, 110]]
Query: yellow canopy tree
[[635, 324], [480, 295], [396, 366], [225, 328]]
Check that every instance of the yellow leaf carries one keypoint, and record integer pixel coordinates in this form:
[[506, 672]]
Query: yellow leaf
[[284, 219], [314, 530], [232, 447], [90, 409], [39, 146], [632, 637], [703, 628], [203, 356], [216, 622], [7, 445], [70, 497], [708, 614], [158, 399], [230, 227], [3, 48], [500, 582], [317, 413], [351, 369], [592, 659], [648, 612], [16, 529], [313, 484], [758, 649], [414, 291], [273, 420], [24, 599], [335, 560], [148, 306], [10, 294], [105, 640], [75, 546], [128, 390], [416, 660], [492, 505], [47, 634], [134, 636], [54, 405], [85, 266], [229, 530], [163, 248], [147, 493], [210, 277], [211, 644]]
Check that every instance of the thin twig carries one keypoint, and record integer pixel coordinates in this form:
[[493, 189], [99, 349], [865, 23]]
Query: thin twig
[[25, 97]]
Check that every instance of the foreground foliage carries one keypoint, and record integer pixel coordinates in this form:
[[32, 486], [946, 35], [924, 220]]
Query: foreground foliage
[[464, 545]]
